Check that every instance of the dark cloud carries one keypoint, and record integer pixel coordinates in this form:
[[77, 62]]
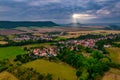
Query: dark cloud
[[59, 10]]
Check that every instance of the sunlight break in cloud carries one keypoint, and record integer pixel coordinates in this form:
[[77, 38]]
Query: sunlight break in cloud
[[83, 16]]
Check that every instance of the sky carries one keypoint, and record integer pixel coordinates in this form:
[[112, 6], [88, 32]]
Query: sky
[[61, 11]]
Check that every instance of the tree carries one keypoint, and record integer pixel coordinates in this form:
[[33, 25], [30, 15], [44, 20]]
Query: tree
[[97, 55], [48, 77], [78, 74]]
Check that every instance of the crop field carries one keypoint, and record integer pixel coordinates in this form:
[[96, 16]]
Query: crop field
[[7, 76], [95, 32], [3, 42], [112, 74], [70, 36], [10, 52], [59, 29], [59, 70], [2, 38], [75, 34], [114, 54], [8, 32], [37, 45]]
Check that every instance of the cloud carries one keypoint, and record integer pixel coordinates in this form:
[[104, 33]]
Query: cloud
[[103, 12], [59, 9], [4, 8], [42, 2], [20, 0]]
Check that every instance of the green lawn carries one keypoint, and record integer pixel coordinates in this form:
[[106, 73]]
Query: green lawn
[[114, 54], [10, 52], [58, 70]]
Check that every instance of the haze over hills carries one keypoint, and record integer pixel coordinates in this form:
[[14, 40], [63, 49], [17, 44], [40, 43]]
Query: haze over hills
[[14, 24], [73, 24], [91, 24]]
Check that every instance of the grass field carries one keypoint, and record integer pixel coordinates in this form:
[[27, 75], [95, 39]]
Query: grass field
[[37, 45], [112, 74], [58, 70], [2, 38], [70, 36], [7, 76], [114, 54], [10, 52]]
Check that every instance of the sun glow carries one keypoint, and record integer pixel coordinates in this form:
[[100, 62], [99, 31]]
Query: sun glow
[[83, 16], [75, 15]]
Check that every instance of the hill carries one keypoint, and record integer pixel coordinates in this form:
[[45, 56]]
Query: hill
[[59, 70], [113, 27], [7, 76], [73, 25], [14, 24]]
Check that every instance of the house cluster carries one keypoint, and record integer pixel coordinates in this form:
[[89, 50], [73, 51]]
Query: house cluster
[[21, 38], [90, 43], [87, 43], [26, 37], [46, 37], [44, 52]]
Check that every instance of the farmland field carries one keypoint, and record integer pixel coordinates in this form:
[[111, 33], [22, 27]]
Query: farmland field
[[7, 76], [8, 32], [2, 38], [112, 74], [37, 45], [58, 70], [10, 52], [3, 42], [114, 54]]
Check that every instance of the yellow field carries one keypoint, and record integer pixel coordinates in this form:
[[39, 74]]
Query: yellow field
[[7, 76], [3, 42], [76, 34], [112, 74], [114, 54], [95, 31]]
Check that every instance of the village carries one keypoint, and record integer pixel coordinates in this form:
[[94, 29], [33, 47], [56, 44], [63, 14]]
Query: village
[[90, 43], [72, 45], [26, 37]]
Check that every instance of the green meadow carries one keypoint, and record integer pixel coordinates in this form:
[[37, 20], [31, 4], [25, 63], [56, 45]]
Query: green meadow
[[10, 52], [59, 70], [114, 54], [37, 45]]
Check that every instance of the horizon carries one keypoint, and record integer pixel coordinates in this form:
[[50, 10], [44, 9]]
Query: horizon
[[64, 23]]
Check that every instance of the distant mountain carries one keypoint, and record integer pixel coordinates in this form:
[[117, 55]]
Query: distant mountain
[[14, 24], [91, 24], [73, 24], [113, 27]]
